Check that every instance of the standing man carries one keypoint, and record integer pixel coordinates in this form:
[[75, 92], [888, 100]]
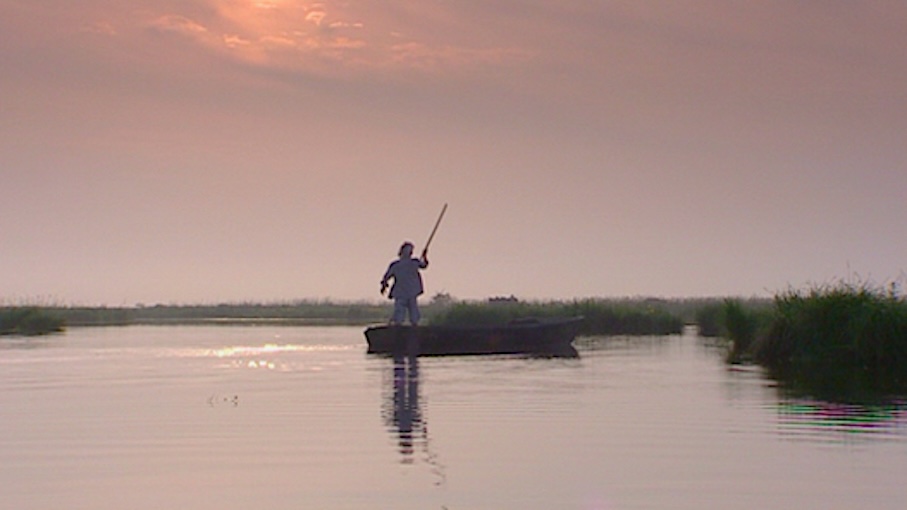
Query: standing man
[[407, 285]]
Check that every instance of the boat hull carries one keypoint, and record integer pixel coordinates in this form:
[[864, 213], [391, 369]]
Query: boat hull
[[542, 336]]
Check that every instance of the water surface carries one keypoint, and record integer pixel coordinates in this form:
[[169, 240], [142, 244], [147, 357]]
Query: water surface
[[223, 417]]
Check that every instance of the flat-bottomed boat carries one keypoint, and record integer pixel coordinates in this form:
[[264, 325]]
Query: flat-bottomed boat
[[546, 336]]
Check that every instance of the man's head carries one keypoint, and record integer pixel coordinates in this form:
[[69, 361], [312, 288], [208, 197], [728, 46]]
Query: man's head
[[406, 250]]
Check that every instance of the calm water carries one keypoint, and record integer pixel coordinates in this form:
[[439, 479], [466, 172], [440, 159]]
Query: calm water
[[290, 418]]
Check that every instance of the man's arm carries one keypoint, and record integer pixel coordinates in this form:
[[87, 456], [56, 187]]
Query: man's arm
[[387, 276]]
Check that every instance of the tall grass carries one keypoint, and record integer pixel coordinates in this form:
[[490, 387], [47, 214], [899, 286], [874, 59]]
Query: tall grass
[[628, 315], [732, 317], [709, 318], [837, 342], [841, 338], [314, 312], [602, 317], [625, 318], [742, 323], [28, 321]]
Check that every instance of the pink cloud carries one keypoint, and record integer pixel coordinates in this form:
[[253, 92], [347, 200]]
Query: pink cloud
[[176, 23], [100, 28], [348, 37]]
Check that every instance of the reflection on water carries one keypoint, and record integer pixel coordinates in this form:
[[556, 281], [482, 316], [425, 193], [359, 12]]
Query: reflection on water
[[25, 343], [403, 415], [837, 422], [247, 350], [218, 418], [402, 412]]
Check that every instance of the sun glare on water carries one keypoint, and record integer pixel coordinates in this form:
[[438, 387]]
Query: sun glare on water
[[272, 356], [270, 349]]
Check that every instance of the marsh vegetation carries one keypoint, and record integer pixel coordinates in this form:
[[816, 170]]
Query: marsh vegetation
[[289, 313], [840, 341], [601, 316], [29, 321], [614, 316], [627, 316]]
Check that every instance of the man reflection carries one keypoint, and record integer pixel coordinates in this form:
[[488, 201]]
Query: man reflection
[[406, 414], [404, 418]]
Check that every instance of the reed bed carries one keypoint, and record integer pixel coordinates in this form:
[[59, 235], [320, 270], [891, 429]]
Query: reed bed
[[29, 321], [739, 321], [840, 341], [846, 338], [709, 318], [602, 317], [299, 312]]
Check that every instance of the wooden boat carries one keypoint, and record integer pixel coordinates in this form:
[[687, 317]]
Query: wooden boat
[[524, 336]]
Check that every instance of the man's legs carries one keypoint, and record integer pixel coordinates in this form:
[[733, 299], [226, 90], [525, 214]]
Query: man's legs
[[400, 307], [414, 315]]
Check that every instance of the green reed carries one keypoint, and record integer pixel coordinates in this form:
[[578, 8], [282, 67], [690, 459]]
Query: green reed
[[28, 321], [741, 322], [296, 312], [843, 337], [602, 317], [709, 318]]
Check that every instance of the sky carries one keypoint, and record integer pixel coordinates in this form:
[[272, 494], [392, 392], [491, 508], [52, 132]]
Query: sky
[[203, 151]]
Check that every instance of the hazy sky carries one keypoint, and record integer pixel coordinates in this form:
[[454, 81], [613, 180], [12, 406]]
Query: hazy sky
[[206, 151]]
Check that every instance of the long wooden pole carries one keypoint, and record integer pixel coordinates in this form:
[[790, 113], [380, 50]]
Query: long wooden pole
[[432, 236]]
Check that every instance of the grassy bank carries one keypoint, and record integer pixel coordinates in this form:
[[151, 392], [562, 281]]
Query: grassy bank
[[602, 317], [840, 341], [29, 321], [616, 316], [739, 320], [834, 340], [301, 312]]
